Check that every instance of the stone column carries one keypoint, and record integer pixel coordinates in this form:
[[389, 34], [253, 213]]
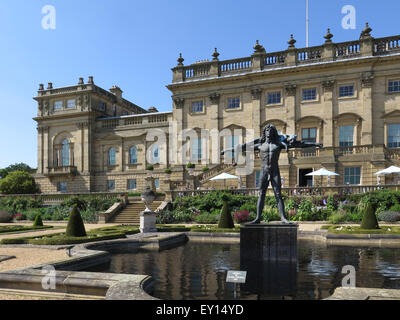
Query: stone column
[[328, 139], [290, 99], [367, 129]]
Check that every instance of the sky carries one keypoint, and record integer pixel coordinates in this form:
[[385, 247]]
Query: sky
[[134, 44]]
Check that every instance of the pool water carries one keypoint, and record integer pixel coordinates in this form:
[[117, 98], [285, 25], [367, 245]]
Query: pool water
[[198, 271]]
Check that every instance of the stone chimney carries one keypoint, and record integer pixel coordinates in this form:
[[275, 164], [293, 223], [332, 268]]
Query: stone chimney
[[116, 91]]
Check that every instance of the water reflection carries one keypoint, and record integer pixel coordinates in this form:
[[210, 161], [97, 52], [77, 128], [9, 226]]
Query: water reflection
[[198, 271]]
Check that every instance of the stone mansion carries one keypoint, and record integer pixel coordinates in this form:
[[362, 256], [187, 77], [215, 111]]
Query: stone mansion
[[344, 95]]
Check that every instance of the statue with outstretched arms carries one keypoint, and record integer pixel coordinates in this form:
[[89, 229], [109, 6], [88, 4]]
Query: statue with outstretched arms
[[270, 146]]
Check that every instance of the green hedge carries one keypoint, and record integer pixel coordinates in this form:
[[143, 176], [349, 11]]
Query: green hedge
[[101, 234]]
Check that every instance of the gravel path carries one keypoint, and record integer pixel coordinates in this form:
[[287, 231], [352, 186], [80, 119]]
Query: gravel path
[[26, 257]]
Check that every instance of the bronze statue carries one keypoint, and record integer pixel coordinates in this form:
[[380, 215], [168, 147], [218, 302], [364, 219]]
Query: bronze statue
[[270, 146]]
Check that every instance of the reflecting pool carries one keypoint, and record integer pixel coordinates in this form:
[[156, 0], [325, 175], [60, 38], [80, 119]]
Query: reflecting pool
[[198, 271]]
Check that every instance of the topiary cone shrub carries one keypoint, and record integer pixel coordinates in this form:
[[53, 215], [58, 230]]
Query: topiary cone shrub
[[75, 227], [38, 221], [369, 221], [226, 220]]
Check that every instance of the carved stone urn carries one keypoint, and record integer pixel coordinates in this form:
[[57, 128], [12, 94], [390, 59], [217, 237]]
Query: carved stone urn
[[148, 197]]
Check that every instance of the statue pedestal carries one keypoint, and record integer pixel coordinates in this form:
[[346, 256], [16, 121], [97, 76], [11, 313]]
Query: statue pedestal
[[147, 222], [269, 243]]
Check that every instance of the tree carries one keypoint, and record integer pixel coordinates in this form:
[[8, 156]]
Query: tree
[[75, 227], [15, 167], [18, 182], [226, 220], [369, 221]]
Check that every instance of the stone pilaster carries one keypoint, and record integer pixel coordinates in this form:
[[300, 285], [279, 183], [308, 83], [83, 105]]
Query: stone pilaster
[[256, 99], [328, 138], [290, 92], [366, 94]]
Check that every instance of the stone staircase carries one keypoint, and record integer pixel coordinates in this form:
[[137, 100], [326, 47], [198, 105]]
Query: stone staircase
[[131, 213], [213, 172]]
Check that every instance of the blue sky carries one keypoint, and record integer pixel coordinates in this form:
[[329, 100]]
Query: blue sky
[[134, 44]]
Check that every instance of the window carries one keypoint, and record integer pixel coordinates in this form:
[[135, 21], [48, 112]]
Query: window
[[58, 105], [112, 161], [394, 86], [114, 110], [233, 103], [258, 179], [394, 136], [155, 154], [346, 91], [102, 106], [231, 142], [196, 149], [133, 155], [346, 135], [274, 98], [62, 187], [132, 184], [65, 154], [157, 183], [352, 175], [197, 107], [309, 94], [309, 135], [111, 185], [124, 113], [71, 104]]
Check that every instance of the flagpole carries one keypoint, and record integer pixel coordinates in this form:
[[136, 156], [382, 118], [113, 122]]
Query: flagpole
[[307, 25]]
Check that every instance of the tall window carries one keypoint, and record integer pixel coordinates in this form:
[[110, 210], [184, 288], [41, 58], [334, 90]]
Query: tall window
[[133, 155], [394, 136], [157, 183], [274, 98], [196, 150], [155, 154], [71, 103], [197, 107], [233, 103], [352, 175], [309, 94], [346, 136], [394, 86], [112, 159], [65, 152], [309, 135], [232, 142], [346, 91]]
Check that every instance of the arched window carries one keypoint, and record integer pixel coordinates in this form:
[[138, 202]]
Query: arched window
[[133, 155], [112, 157], [65, 154]]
